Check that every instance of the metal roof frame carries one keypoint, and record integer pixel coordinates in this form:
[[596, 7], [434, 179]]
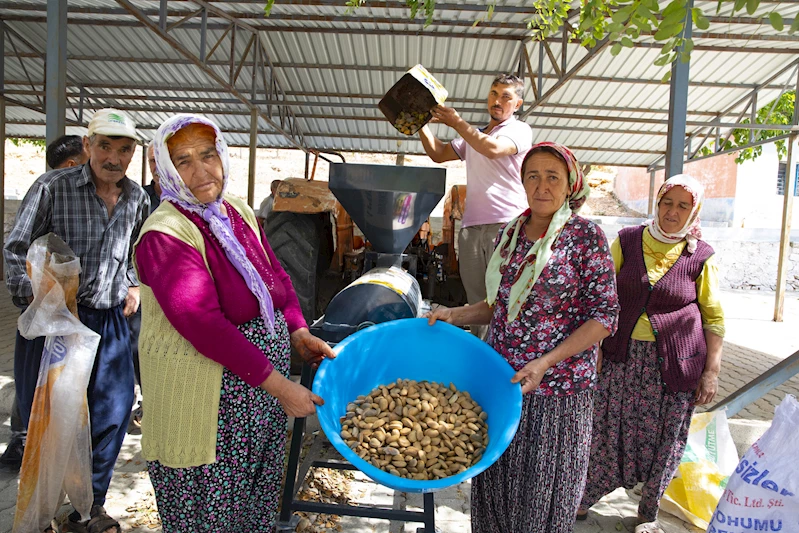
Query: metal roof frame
[[315, 73]]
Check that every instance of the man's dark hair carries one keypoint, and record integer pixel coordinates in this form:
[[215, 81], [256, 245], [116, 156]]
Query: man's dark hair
[[63, 148], [510, 79]]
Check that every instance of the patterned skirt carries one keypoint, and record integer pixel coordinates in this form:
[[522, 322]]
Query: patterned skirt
[[536, 485], [241, 490], [640, 430]]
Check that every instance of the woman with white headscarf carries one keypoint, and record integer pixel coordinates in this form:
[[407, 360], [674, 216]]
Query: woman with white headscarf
[[551, 299], [219, 317], [665, 357]]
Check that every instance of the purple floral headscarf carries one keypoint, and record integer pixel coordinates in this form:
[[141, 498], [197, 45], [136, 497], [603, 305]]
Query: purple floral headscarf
[[174, 190]]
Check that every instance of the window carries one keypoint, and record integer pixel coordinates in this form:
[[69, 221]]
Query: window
[[781, 180]]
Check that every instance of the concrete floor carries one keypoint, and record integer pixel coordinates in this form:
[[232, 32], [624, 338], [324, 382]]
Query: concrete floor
[[753, 344]]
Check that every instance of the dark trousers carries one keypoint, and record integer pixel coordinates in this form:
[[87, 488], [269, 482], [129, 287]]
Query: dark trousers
[[134, 324], [19, 431], [110, 392]]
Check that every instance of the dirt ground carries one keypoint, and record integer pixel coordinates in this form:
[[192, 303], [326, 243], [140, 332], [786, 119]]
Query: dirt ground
[[25, 163]]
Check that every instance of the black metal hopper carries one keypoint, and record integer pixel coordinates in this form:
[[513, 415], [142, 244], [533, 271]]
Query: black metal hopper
[[388, 203]]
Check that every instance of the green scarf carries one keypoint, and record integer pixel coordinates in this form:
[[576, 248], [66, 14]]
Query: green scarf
[[538, 256]]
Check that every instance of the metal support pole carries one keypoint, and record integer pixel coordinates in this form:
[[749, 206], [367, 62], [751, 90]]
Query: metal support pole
[[540, 68], [400, 159], [760, 386], [203, 34], [56, 70], [307, 163], [429, 507], [753, 117], [650, 211], [285, 522], [80, 104], [162, 16], [785, 231], [144, 165], [253, 153], [678, 107], [255, 63]]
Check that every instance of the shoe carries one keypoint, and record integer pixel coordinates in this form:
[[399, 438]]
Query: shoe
[[134, 426], [137, 414], [11, 460]]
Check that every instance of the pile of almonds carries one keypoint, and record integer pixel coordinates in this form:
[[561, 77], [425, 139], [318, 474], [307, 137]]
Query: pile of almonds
[[416, 430], [409, 122]]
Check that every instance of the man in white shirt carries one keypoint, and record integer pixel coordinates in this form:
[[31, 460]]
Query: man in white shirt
[[494, 193]]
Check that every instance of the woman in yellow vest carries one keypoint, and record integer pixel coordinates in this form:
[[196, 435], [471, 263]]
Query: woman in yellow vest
[[219, 318]]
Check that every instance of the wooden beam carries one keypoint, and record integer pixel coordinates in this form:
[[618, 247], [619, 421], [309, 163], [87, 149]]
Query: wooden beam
[[785, 231], [787, 213]]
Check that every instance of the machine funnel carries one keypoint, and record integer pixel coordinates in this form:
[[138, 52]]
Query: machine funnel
[[388, 203]]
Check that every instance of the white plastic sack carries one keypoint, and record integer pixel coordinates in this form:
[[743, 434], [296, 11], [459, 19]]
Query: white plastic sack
[[761, 494], [58, 454], [709, 459]]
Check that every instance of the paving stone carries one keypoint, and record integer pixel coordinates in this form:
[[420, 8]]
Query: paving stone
[[753, 345]]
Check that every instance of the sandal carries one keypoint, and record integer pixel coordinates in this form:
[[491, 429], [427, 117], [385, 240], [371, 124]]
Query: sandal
[[71, 527], [649, 527], [101, 522]]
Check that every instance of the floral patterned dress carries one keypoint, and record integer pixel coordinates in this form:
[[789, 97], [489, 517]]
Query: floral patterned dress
[[240, 491], [536, 485]]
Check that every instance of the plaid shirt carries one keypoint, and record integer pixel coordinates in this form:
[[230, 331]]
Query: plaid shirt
[[65, 202]]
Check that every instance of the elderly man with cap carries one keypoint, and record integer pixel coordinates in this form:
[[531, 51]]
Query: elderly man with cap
[[98, 212]]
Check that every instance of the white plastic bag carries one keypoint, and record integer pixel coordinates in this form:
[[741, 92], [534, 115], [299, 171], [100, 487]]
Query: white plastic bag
[[761, 494], [709, 459], [58, 453]]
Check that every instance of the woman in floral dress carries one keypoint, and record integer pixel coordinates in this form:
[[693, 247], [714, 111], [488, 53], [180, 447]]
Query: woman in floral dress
[[664, 358], [551, 299], [219, 317]]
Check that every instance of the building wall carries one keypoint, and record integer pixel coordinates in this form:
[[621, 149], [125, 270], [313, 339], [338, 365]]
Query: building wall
[[717, 174], [747, 258], [757, 203]]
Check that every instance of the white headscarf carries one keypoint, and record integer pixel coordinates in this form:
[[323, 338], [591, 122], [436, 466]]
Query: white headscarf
[[691, 230], [174, 190]]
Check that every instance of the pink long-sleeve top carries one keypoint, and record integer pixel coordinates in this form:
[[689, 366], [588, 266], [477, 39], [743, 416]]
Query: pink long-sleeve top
[[207, 308]]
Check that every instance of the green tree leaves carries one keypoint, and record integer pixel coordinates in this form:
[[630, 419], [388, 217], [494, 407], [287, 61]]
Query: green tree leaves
[[778, 112], [622, 22]]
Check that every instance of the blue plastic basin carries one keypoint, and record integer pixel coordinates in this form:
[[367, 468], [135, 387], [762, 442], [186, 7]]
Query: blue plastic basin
[[410, 349]]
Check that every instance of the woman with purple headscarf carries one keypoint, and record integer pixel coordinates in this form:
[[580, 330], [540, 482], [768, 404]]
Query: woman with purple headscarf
[[551, 299], [219, 318], [665, 357]]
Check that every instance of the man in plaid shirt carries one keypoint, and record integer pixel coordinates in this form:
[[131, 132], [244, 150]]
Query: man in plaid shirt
[[98, 212]]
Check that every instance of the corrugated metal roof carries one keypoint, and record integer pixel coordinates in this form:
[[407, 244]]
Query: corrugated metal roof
[[333, 67]]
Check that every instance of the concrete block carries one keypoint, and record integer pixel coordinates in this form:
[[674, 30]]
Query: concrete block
[[745, 432]]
